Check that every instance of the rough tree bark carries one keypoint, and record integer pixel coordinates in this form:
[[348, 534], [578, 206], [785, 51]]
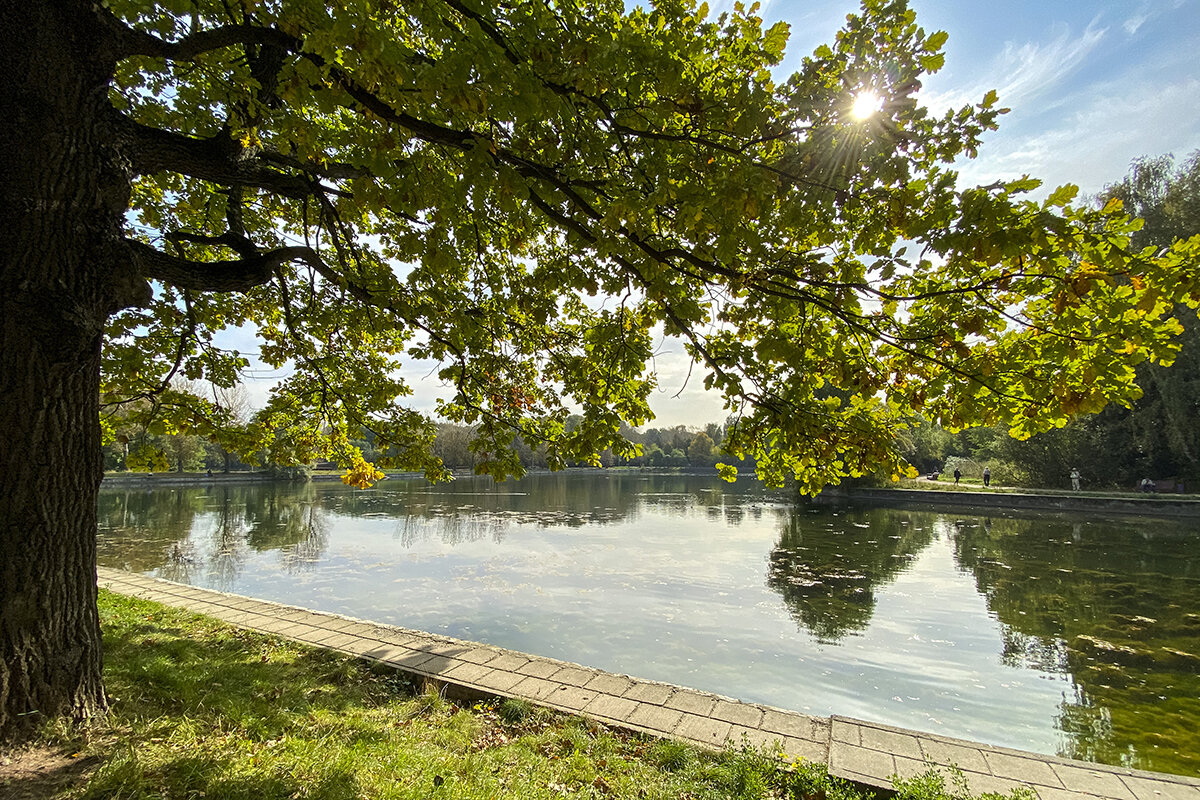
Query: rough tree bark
[[63, 192]]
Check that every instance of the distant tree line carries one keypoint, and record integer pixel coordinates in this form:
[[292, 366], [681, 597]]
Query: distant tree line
[[139, 444], [680, 446]]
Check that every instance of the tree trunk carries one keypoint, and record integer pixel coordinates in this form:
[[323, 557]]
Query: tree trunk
[[62, 200]]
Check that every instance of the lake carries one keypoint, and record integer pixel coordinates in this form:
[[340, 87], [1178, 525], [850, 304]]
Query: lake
[[1069, 635]]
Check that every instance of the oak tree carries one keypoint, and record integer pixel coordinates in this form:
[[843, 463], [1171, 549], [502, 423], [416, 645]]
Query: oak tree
[[525, 194]]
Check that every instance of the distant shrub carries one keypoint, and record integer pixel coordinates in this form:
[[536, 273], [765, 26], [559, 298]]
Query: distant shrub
[[293, 473]]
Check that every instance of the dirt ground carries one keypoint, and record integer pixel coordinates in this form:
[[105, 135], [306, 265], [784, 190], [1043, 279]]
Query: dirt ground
[[39, 773]]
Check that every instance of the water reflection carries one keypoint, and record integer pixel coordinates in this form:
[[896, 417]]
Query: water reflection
[[182, 534], [829, 566], [1118, 608], [177, 530]]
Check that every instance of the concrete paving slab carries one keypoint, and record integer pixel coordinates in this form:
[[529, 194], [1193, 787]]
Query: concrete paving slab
[[900, 744], [861, 763], [703, 730], [501, 682], [965, 758], [360, 647], [467, 673], [690, 702], [359, 630], [609, 684], [1092, 781], [479, 655], [539, 668], [981, 784], [653, 693], [799, 726], [571, 698], [388, 653], [415, 661], [300, 631], [535, 688], [343, 624], [438, 665], [743, 714], [509, 662], [741, 736], [806, 750], [609, 707], [1026, 770], [323, 636], [572, 676], [910, 767], [845, 730], [650, 717], [1152, 789], [340, 641]]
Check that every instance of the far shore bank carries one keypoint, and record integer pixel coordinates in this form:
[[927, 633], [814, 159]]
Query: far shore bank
[[945, 496], [144, 480], [1154, 505]]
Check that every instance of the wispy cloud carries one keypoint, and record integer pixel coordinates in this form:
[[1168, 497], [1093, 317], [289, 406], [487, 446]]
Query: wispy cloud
[[1021, 72], [1132, 24], [1095, 144]]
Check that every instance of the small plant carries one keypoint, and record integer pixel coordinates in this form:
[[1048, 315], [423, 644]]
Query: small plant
[[514, 711], [933, 785], [672, 756], [430, 702]]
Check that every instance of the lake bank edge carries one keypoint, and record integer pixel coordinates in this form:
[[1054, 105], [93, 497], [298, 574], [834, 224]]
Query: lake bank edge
[[1159, 505]]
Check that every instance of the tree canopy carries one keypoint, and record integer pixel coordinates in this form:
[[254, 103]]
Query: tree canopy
[[524, 193]]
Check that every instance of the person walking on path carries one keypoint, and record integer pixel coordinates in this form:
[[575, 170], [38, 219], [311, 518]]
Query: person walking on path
[[1075, 478], [987, 477], [957, 475]]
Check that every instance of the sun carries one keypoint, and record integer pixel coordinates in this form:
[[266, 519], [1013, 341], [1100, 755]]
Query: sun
[[865, 104]]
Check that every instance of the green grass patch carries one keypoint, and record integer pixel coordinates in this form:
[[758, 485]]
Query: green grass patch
[[203, 710]]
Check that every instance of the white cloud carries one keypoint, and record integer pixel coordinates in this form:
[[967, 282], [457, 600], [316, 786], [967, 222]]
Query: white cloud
[[1020, 73], [680, 398], [1094, 145], [1132, 24]]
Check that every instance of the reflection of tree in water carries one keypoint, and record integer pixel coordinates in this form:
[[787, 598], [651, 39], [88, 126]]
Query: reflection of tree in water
[[180, 532], [289, 519], [141, 530], [1116, 607], [828, 565], [451, 528], [474, 509]]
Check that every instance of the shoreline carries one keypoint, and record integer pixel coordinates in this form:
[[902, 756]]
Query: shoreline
[[1161, 505]]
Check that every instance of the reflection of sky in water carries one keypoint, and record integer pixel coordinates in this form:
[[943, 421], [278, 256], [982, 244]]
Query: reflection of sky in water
[[666, 582]]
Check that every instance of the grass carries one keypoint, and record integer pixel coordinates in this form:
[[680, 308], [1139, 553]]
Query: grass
[[203, 710]]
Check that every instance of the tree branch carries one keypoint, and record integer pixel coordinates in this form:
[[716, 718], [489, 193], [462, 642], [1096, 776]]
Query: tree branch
[[214, 276], [134, 42], [218, 159]]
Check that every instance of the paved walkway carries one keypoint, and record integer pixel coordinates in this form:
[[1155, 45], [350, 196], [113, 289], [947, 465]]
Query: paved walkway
[[853, 749]]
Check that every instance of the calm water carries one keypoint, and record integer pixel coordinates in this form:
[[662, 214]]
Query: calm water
[[1071, 635]]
